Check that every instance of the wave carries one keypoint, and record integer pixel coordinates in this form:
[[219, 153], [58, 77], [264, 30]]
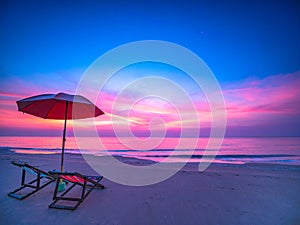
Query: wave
[[220, 156], [228, 156], [160, 154]]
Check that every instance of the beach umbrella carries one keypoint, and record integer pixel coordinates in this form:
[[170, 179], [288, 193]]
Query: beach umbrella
[[59, 107]]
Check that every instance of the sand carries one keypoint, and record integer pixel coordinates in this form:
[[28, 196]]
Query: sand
[[223, 194]]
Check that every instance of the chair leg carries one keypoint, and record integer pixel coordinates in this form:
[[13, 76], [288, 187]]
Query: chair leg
[[56, 188], [35, 185], [23, 176], [38, 180], [84, 193], [83, 190], [57, 198], [34, 189]]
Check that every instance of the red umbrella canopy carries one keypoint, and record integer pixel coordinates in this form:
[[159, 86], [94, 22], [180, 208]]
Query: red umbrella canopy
[[53, 106]]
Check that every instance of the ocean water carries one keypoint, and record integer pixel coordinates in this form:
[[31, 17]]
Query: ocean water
[[278, 150]]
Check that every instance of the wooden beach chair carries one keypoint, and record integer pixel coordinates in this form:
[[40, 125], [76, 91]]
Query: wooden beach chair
[[85, 184], [40, 180]]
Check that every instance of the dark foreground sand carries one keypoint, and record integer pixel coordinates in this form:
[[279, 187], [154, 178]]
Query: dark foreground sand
[[223, 194]]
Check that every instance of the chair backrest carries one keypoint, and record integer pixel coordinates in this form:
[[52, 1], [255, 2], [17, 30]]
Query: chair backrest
[[31, 169]]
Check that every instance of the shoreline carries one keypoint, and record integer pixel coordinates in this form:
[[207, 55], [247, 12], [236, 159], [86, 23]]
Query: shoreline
[[190, 166], [218, 159]]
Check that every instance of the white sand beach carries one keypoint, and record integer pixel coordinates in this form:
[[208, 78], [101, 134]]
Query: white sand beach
[[223, 194]]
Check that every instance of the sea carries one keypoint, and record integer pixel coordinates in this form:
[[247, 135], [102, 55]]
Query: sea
[[234, 150]]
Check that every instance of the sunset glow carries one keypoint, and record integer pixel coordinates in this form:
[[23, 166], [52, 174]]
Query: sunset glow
[[273, 101], [255, 59]]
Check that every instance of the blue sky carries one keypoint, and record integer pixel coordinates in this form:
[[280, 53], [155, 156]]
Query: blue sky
[[251, 46], [236, 39]]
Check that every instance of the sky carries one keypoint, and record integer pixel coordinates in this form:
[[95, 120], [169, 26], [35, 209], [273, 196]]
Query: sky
[[252, 47]]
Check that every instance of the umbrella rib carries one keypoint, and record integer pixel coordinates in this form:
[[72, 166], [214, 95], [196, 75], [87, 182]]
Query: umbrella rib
[[51, 109], [25, 106], [86, 106]]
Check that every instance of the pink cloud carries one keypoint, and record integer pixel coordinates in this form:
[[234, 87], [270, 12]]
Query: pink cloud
[[264, 100], [250, 103]]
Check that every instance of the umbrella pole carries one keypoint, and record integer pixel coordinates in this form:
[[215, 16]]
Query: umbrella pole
[[64, 140]]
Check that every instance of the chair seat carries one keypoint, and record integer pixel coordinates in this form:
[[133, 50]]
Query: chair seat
[[87, 183], [74, 179]]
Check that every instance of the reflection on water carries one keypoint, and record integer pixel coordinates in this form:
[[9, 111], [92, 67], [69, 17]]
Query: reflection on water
[[33, 152], [284, 150]]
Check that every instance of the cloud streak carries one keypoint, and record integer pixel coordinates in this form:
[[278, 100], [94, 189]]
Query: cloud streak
[[274, 95], [266, 104]]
